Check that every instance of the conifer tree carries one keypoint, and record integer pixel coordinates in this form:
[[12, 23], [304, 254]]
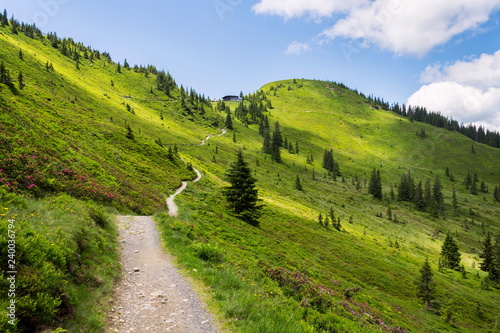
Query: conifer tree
[[266, 147], [4, 75], [437, 204], [21, 56], [20, 81], [229, 121], [450, 256], [426, 287], [375, 184], [242, 196], [488, 264], [298, 184], [418, 197], [454, 202], [130, 134], [276, 143]]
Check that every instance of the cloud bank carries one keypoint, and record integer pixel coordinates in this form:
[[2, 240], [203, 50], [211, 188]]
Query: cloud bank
[[400, 26], [469, 91]]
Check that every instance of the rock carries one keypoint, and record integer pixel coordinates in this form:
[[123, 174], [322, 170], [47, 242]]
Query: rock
[[136, 269]]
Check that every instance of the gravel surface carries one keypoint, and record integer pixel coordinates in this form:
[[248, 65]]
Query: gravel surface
[[153, 296]]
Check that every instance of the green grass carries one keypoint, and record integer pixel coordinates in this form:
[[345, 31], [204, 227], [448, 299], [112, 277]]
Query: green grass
[[363, 254], [74, 123], [67, 261]]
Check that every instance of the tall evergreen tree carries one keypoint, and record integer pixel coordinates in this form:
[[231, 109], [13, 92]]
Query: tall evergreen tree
[[437, 200], [298, 184], [229, 121], [496, 256], [266, 147], [276, 143], [20, 81], [375, 184], [450, 256], [488, 264], [242, 196], [426, 287], [454, 202], [418, 197]]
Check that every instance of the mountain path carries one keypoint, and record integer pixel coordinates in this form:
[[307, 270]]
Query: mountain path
[[153, 296]]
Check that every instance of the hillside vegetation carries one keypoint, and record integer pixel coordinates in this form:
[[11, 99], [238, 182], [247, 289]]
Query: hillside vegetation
[[84, 135]]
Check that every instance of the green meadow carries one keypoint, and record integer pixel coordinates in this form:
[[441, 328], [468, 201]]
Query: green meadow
[[68, 160]]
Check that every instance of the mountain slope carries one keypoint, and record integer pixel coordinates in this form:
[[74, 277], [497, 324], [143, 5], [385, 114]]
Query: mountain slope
[[74, 115], [97, 130], [320, 116]]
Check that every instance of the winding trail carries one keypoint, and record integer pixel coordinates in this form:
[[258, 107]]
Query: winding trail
[[152, 296], [173, 210]]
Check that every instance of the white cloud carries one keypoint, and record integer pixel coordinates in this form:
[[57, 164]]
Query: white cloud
[[468, 91], [483, 71], [400, 26], [412, 27], [297, 48], [296, 8]]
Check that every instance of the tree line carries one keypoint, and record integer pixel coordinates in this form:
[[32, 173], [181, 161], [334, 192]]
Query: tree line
[[436, 119]]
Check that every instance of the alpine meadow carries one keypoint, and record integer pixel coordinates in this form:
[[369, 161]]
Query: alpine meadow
[[320, 209]]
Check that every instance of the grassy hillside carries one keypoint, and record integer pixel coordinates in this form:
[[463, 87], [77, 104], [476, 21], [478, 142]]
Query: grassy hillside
[[80, 139], [291, 275], [85, 132]]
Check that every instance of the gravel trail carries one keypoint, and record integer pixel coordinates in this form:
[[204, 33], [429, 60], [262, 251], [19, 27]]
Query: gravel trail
[[153, 296]]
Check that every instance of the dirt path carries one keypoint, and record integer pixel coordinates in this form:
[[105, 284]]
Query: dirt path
[[173, 210], [153, 296]]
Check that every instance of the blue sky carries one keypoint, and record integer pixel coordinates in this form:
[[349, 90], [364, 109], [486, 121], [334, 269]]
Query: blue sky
[[443, 54]]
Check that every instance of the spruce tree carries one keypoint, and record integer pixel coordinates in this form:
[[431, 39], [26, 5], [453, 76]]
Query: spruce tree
[[276, 143], [454, 202], [375, 185], [437, 200], [298, 184], [488, 264], [450, 256], [418, 197], [229, 121], [266, 147], [242, 196], [20, 81], [426, 287], [130, 134]]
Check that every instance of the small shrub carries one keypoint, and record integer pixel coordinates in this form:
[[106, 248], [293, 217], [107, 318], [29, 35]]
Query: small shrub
[[208, 252]]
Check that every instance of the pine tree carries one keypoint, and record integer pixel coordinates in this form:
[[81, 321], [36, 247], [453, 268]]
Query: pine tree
[[437, 200], [266, 147], [242, 196], [276, 143], [20, 81], [454, 202], [450, 256], [4, 75], [496, 256], [118, 68], [418, 197], [426, 286], [298, 184], [130, 134], [229, 121], [375, 185], [488, 264], [21, 56]]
